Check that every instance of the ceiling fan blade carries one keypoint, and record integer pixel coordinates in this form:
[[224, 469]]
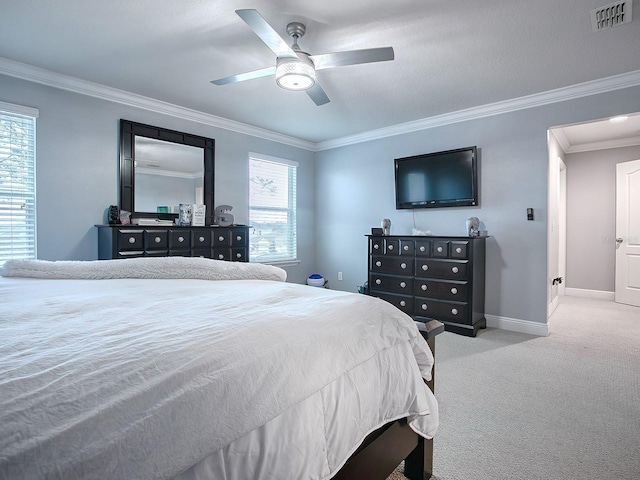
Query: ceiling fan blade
[[267, 34], [241, 77], [317, 94], [352, 57]]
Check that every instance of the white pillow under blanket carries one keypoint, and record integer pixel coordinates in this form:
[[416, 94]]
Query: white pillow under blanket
[[143, 267]]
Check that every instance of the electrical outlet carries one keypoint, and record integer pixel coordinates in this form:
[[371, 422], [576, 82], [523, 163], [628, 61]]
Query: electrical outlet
[[340, 276]]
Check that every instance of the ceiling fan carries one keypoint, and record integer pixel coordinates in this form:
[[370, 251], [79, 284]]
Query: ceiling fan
[[295, 69]]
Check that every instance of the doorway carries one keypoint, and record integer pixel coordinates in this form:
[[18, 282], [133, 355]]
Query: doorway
[[602, 139]]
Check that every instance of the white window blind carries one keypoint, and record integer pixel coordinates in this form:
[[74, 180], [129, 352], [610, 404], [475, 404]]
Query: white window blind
[[17, 182], [272, 209]]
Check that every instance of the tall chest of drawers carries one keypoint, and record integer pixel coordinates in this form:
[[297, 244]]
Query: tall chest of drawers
[[431, 278], [219, 243]]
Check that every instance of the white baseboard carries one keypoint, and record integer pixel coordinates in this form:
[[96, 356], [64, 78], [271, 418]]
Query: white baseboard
[[516, 325], [599, 294]]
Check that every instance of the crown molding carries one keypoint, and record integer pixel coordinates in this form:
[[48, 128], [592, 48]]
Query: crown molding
[[83, 87], [585, 89], [604, 145], [562, 139]]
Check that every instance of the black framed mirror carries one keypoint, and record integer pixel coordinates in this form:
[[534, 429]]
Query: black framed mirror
[[167, 164]]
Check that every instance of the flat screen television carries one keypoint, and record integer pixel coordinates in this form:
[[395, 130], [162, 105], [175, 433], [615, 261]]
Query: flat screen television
[[440, 179]]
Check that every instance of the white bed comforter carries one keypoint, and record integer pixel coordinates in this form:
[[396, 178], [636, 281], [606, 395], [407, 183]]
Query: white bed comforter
[[145, 378]]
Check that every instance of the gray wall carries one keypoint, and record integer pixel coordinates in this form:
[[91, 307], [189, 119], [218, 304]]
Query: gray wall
[[355, 191], [77, 169], [591, 215], [342, 194]]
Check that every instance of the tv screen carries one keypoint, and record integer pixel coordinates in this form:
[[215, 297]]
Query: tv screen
[[440, 179]]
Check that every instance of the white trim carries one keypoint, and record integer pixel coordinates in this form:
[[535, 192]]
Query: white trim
[[582, 292], [553, 305], [83, 87], [516, 325], [19, 109], [593, 87], [604, 145]]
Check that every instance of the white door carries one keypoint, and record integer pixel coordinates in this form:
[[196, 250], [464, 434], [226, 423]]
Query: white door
[[628, 233]]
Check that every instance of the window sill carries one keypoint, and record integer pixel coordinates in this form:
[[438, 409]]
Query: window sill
[[282, 263]]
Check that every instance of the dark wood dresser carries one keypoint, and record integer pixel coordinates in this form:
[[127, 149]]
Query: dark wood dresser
[[431, 278], [220, 243]]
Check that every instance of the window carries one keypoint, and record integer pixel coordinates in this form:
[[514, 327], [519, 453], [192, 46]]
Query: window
[[17, 182], [272, 209]]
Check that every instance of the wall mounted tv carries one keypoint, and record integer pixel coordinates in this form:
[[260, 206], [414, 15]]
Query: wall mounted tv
[[440, 179]]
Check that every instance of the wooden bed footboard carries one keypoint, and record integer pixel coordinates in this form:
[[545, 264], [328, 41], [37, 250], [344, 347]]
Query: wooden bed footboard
[[383, 450]]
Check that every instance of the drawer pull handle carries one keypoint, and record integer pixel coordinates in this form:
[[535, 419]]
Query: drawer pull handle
[[239, 237], [221, 238], [390, 247], [439, 249], [378, 281], [132, 239], [454, 290], [406, 248], [458, 250], [403, 303], [425, 267], [454, 311], [180, 239], [201, 239], [422, 249], [403, 284], [238, 255], [376, 246], [423, 287], [378, 263], [221, 256], [424, 306], [157, 239], [455, 269], [403, 265]]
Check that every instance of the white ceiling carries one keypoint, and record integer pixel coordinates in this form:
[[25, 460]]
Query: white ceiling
[[449, 55]]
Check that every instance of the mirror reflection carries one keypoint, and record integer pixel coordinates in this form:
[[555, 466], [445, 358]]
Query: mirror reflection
[[166, 175]]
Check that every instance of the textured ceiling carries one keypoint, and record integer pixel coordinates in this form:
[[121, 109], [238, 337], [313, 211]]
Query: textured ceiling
[[449, 55]]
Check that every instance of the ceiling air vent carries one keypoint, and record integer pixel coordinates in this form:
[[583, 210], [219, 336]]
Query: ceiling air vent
[[611, 15]]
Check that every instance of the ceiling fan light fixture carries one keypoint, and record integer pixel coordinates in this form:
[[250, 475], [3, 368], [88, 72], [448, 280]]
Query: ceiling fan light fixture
[[295, 74]]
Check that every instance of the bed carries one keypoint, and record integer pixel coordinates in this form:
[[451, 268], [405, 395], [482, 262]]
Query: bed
[[191, 368]]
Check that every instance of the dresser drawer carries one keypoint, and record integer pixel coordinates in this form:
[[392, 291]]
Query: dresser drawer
[[130, 240], [453, 311], [238, 238], [221, 238], [456, 291], [239, 254], [377, 246], [459, 249], [423, 248], [441, 248], [402, 302], [449, 269], [201, 238], [387, 264], [390, 283], [156, 240], [221, 253], [179, 240]]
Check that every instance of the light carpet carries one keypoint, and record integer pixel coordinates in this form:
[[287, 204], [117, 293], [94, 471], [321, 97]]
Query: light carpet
[[566, 406]]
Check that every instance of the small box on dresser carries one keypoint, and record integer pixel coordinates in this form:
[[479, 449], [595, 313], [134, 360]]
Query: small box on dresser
[[431, 278]]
